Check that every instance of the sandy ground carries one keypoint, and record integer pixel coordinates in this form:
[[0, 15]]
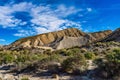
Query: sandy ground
[[10, 76], [19, 77], [4, 75]]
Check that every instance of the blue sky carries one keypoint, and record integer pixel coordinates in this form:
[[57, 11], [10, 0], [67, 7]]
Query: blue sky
[[21, 18]]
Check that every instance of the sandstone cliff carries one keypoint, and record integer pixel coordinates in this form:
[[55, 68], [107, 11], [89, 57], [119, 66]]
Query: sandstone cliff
[[47, 38], [68, 42], [100, 35], [60, 39], [115, 36]]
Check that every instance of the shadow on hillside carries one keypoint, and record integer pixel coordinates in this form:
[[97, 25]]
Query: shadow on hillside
[[7, 67], [95, 74]]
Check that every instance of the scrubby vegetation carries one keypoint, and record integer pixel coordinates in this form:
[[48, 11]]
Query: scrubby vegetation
[[24, 78], [89, 55], [73, 60], [110, 65], [75, 64]]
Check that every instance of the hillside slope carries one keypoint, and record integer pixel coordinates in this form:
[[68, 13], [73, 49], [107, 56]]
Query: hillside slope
[[60, 39], [115, 36]]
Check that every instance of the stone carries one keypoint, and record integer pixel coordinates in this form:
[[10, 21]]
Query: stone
[[59, 39], [115, 36]]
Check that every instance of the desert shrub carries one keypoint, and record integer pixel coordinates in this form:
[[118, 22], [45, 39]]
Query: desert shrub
[[8, 58], [72, 52], [25, 78], [112, 43], [21, 58], [100, 44], [76, 50], [114, 56], [35, 57], [89, 55], [54, 57], [48, 51], [61, 52], [98, 61], [50, 63], [75, 64], [110, 65], [24, 60]]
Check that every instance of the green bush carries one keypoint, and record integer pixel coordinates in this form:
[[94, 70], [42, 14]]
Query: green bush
[[73, 51], [50, 62], [8, 58], [54, 57], [24, 78], [61, 52], [114, 56], [89, 55], [22, 58], [75, 63], [110, 64], [48, 51]]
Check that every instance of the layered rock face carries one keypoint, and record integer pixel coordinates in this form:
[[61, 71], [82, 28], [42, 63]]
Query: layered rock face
[[60, 39], [47, 38], [100, 35], [115, 36], [68, 42]]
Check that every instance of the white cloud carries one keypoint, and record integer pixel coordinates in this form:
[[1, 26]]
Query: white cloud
[[64, 11], [24, 6], [44, 18], [7, 20], [50, 22], [23, 23], [6, 17], [22, 33], [41, 30], [2, 40], [53, 19], [86, 30], [89, 9]]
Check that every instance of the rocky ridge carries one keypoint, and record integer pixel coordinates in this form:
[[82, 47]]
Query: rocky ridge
[[115, 36], [101, 34], [60, 39]]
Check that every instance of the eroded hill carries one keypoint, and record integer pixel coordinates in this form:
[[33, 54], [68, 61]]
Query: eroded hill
[[60, 39], [115, 36]]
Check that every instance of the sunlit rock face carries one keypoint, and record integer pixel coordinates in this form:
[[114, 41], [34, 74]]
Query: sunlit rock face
[[60, 39], [115, 36], [100, 35]]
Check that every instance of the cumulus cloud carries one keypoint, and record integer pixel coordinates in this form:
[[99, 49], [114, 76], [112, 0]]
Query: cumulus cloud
[[51, 20], [22, 33], [7, 19], [44, 18], [41, 30]]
